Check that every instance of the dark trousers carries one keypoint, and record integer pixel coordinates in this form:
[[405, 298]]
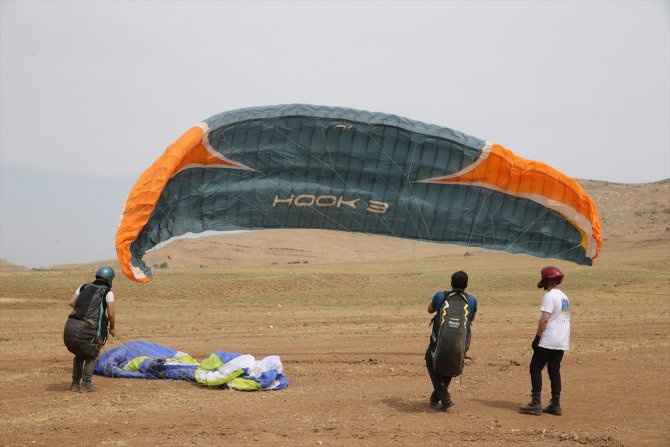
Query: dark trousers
[[82, 368], [440, 383], [552, 359]]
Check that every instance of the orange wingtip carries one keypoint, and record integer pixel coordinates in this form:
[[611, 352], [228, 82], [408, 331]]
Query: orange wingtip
[[501, 170], [190, 150]]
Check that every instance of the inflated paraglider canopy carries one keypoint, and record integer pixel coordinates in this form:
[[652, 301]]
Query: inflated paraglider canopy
[[303, 166]]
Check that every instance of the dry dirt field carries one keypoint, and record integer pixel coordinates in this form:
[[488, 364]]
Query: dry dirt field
[[351, 331]]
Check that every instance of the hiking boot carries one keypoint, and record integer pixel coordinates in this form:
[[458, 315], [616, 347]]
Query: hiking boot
[[87, 373], [554, 406], [86, 387], [434, 400], [74, 387], [533, 407], [445, 404]]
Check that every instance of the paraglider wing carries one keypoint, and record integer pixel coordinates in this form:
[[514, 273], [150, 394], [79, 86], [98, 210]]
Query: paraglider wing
[[143, 359], [301, 166]]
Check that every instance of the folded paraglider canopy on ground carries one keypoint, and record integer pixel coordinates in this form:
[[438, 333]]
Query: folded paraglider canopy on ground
[[145, 360]]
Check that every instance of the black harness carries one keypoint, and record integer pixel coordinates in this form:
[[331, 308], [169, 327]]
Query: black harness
[[450, 326], [91, 307]]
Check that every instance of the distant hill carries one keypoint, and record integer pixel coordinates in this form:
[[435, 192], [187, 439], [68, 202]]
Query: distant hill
[[632, 213], [629, 213], [8, 267]]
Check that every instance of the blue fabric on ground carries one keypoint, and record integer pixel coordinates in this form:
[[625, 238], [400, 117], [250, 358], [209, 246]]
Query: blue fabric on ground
[[161, 364], [111, 362], [226, 356]]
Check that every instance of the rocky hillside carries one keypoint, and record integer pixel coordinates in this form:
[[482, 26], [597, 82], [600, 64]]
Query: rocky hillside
[[632, 213]]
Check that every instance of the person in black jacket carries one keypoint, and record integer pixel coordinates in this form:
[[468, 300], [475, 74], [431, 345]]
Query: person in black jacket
[[91, 319]]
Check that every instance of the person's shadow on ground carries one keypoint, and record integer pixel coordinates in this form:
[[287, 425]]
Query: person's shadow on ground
[[408, 406], [62, 386], [504, 404]]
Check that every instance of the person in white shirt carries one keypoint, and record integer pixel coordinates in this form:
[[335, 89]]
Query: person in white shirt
[[551, 341]]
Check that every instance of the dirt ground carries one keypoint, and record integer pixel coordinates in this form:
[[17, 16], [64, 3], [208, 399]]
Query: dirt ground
[[352, 338]]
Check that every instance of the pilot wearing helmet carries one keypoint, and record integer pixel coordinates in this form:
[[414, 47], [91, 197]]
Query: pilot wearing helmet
[[551, 341], [87, 326]]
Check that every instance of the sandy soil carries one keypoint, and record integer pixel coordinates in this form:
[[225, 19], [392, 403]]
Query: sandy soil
[[347, 315], [352, 338]]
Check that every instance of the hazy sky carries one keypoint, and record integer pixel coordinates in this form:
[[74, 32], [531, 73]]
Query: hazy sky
[[92, 92]]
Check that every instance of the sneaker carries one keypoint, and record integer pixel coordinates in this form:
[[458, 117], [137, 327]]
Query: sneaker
[[434, 400], [74, 387]]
